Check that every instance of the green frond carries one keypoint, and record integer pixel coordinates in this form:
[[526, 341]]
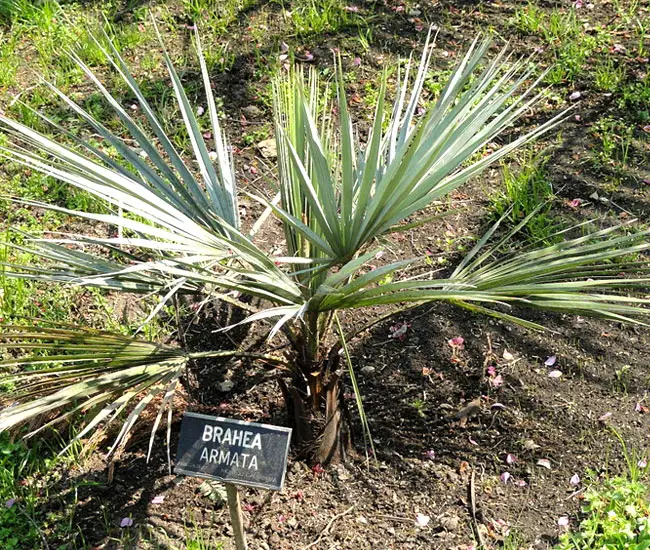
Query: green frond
[[84, 371]]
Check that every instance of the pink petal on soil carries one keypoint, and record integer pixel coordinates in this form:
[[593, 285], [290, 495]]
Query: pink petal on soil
[[492, 371], [309, 56], [544, 463], [504, 477], [575, 480], [575, 96], [126, 522], [563, 521], [497, 381], [352, 9], [472, 441], [422, 520], [604, 417], [520, 483], [499, 406], [456, 342], [430, 454], [555, 374], [550, 361], [356, 61], [642, 463], [511, 459], [574, 203], [284, 47], [158, 499]]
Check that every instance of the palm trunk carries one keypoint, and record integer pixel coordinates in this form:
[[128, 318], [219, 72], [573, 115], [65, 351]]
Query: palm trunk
[[315, 402]]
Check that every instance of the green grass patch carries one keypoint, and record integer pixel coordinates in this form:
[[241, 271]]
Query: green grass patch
[[526, 190]]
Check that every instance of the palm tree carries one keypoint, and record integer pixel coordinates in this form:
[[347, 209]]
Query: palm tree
[[180, 232]]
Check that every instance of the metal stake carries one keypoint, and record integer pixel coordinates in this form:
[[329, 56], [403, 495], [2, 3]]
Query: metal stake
[[236, 516]]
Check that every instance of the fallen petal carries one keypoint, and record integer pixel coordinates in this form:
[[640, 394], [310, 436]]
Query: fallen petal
[[499, 406], [10, 503], [575, 480], [604, 417], [520, 483], [422, 520], [511, 459], [507, 355], [505, 476], [555, 374], [544, 463], [126, 522], [158, 499], [574, 96], [430, 454], [456, 342], [563, 521], [550, 361], [497, 381], [642, 463]]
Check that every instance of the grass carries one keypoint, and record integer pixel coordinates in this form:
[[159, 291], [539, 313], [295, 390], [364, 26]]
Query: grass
[[526, 191], [313, 17]]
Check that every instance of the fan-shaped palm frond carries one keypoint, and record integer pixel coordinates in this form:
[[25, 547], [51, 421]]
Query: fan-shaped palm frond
[[70, 370]]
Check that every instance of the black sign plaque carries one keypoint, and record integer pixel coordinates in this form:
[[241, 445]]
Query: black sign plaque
[[233, 451]]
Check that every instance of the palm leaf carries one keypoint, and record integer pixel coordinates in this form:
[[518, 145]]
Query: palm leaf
[[100, 374]]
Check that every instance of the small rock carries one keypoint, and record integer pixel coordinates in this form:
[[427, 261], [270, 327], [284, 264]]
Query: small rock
[[530, 445], [450, 523], [226, 386], [252, 111], [268, 148]]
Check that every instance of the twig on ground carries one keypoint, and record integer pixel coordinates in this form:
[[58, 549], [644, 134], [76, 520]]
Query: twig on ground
[[472, 510], [325, 531]]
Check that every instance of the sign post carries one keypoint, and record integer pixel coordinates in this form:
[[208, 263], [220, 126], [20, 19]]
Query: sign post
[[234, 505], [236, 453]]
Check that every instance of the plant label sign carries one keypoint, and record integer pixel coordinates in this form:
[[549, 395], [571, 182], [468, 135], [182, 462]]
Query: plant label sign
[[233, 451]]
